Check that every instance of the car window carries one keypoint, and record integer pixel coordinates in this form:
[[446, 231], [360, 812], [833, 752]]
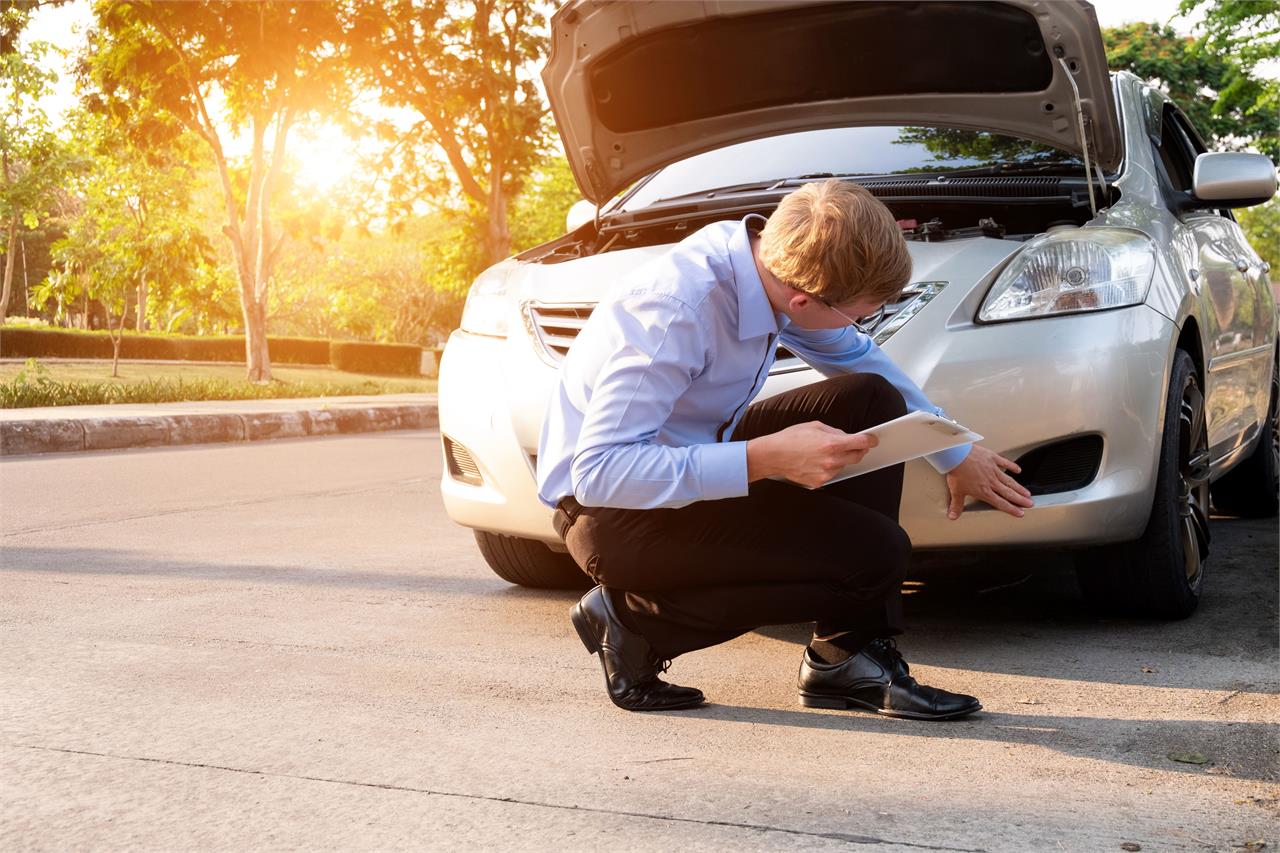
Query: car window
[[1189, 134], [1174, 152], [876, 150], [1180, 145]]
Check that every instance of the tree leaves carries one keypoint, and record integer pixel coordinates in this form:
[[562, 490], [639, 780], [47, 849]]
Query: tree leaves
[[1205, 77]]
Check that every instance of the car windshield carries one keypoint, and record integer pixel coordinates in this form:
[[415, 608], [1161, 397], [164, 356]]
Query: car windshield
[[850, 151]]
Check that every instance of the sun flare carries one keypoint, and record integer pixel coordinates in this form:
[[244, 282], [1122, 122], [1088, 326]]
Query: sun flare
[[322, 157]]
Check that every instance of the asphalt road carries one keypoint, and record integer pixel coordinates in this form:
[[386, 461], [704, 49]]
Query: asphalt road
[[287, 644]]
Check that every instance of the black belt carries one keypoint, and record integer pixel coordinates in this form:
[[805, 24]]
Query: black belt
[[566, 513]]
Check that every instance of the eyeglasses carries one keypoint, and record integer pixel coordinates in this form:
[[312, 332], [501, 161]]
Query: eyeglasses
[[862, 324]]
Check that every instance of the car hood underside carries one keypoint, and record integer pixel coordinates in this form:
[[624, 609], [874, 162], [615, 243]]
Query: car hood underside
[[635, 86]]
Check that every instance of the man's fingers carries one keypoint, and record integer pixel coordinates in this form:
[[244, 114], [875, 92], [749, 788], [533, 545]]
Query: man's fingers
[[849, 457], [852, 448], [993, 498], [957, 505], [861, 441], [1015, 496], [1014, 484], [1009, 464]]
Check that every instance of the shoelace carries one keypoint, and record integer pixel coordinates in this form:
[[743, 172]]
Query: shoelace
[[659, 665], [890, 647]]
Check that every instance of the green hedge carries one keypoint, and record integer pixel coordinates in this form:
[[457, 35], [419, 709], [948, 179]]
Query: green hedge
[[399, 359], [19, 342], [23, 342]]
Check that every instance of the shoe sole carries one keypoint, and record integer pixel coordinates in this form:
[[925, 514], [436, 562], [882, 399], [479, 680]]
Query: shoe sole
[[845, 703], [589, 640]]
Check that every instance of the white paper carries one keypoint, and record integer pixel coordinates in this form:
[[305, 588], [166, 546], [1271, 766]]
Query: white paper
[[911, 436]]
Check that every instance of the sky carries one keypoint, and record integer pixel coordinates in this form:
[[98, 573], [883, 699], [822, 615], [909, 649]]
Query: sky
[[322, 151]]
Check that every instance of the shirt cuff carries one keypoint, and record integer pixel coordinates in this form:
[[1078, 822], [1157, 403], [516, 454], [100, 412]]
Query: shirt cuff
[[724, 470], [944, 460]]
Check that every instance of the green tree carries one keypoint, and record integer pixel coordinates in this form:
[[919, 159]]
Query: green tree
[[33, 161], [538, 213], [135, 236], [1247, 31], [1206, 79], [1262, 224], [464, 70], [271, 64]]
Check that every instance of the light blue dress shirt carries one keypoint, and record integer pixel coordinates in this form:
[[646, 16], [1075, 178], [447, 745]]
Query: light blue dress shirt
[[662, 372]]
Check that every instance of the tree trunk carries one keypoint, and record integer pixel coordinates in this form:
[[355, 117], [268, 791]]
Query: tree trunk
[[257, 357], [8, 267], [142, 305], [499, 236], [26, 288], [117, 338]]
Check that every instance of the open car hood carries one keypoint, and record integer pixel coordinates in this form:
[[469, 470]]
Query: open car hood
[[637, 85]]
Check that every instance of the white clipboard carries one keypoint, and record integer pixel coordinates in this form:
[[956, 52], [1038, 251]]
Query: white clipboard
[[913, 435]]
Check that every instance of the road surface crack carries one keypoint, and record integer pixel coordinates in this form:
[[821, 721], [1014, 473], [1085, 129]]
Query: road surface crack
[[848, 838]]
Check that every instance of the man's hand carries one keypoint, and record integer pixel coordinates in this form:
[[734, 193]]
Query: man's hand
[[810, 453], [982, 475]]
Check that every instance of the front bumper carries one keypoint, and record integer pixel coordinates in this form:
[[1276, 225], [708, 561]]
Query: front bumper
[[1021, 385]]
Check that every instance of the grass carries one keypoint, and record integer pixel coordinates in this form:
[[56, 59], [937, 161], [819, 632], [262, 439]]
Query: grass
[[70, 383]]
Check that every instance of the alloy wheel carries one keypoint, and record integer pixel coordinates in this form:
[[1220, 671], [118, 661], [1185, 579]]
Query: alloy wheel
[[1193, 481]]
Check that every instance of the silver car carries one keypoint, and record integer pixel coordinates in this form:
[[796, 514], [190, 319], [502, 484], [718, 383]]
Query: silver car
[[1081, 293]]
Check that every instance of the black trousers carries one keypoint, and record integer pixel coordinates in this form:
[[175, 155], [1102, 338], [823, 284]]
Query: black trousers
[[697, 575]]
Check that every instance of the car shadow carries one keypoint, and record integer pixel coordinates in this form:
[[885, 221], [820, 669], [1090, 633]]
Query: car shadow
[[1011, 611], [1226, 748]]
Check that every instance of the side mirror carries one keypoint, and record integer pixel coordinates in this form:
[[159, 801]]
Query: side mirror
[[1232, 179], [579, 214]]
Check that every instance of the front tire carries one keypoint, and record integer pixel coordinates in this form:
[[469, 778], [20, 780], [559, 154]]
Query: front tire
[[527, 562], [1161, 574], [1252, 488]]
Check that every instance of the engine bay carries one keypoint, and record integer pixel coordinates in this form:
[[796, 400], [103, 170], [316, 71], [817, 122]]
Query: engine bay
[[926, 210]]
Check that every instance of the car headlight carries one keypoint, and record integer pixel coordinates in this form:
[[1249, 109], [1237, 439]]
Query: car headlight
[[1084, 269], [488, 306]]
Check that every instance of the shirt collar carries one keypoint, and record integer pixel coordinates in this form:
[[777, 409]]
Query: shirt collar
[[756, 316]]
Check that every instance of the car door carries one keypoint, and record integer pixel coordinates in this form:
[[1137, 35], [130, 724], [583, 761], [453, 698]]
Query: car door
[[1233, 301]]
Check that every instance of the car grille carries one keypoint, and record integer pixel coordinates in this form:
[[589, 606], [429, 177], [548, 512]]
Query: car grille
[[553, 327], [1061, 466], [462, 465]]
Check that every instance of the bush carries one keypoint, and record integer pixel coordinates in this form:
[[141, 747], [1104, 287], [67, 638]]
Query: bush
[[34, 387], [20, 342], [391, 359]]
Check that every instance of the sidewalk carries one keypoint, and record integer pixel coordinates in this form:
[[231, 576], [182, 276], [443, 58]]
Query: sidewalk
[[62, 429]]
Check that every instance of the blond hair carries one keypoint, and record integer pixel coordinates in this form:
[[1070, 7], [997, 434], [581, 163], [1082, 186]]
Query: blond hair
[[836, 240]]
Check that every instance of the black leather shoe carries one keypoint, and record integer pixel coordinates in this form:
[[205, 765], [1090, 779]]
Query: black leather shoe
[[876, 679], [629, 663]]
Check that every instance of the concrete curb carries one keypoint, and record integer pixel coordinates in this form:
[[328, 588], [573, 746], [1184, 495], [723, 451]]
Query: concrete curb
[[68, 435]]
